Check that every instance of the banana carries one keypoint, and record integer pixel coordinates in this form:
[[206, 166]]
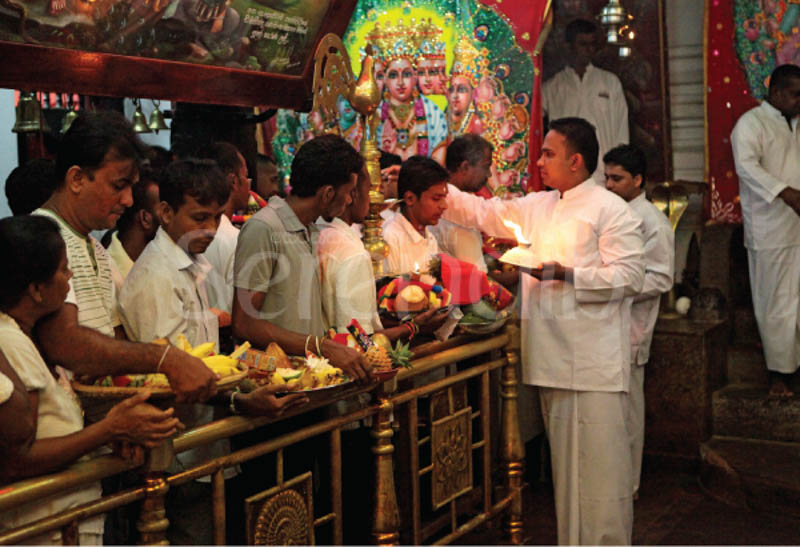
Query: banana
[[203, 350], [222, 364], [182, 343]]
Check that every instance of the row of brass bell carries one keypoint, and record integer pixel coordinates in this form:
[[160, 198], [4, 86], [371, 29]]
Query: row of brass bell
[[156, 123], [29, 115]]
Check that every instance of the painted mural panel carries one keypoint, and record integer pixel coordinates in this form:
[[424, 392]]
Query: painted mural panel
[[273, 36]]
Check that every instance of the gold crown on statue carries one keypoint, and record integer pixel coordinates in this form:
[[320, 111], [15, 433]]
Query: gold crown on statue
[[469, 61], [431, 47], [395, 41]]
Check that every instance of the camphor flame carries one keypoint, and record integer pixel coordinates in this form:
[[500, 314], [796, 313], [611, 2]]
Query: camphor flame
[[517, 232]]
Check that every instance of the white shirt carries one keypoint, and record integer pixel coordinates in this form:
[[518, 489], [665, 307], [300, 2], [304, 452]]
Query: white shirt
[[6, 388], [575, 335], [164, 295], [91, 288], [767, 156], [659, 270], [598, 98], [408, 249], [58, 415], [461, 242], [120, 258], [220, 254], [348, 283]]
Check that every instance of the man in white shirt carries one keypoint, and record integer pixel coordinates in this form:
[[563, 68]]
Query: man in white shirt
[[346, 275], [165, 293], [222, 250], [469, 162], [165, 296], [135, 228], [422, 185], [583, 90], [626, 168], [97, 164], [586, 263], [766, 150]]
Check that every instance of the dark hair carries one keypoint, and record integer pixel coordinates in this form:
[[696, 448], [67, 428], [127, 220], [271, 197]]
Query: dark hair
[[467, 147], [29, 186], [225, 154], [266, 159], [388, 159], [159, 157], [782, 76], [578, 26], [36, 245], [629, 157], [419, 173], [199, 179], [581, 139], [91, 137], [147, 177], [324, 160]]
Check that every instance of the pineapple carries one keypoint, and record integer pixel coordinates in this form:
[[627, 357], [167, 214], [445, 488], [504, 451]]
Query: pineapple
[[378, 357], [401, 355]]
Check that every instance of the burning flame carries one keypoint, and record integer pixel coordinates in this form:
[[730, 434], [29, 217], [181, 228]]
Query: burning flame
[[416, 267], [517, 232]]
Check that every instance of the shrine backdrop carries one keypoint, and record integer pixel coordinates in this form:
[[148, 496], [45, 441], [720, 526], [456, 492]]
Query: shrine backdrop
[[744, 42], [445, 67]]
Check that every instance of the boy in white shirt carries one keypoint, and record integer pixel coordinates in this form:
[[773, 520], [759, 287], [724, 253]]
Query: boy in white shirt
[[422, 185]]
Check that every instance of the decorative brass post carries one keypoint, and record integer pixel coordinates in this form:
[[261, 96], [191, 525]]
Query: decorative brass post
[[512, 453], [365, 100], [386, 525], [333, 77], [153, 523]]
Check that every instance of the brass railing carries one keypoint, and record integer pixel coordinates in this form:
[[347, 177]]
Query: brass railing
[[458, 496]]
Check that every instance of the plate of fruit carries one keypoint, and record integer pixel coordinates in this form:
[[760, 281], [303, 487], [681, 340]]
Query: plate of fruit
[[311, 374], [230, 369], [401, 297]]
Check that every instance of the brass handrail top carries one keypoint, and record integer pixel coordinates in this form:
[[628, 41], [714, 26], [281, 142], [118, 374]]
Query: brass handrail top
[[95, 469]]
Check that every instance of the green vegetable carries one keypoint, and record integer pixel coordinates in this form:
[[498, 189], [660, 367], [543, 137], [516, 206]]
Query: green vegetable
[[481, 309]]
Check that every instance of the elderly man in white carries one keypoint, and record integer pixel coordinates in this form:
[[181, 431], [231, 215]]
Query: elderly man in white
[[586, 248], [626, 168], [766, 149]]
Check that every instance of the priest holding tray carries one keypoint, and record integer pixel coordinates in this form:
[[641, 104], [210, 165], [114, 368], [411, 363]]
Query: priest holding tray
[[576, 304]]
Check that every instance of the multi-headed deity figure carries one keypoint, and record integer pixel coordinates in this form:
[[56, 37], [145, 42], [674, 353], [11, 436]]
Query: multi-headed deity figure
[[430, 61], [410, 123]]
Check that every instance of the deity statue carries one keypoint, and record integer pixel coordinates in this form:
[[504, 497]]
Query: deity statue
[[410, 123]]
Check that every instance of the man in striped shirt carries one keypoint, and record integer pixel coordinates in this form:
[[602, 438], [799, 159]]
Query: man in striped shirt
[[97, 163]]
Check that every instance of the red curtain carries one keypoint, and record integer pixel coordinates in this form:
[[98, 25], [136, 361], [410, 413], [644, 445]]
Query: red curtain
[[728, 96], [528, 18]]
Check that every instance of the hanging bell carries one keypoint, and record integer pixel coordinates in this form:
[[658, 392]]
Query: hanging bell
[[157, 122], [140, 120], [29, 114], [69, 117]]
